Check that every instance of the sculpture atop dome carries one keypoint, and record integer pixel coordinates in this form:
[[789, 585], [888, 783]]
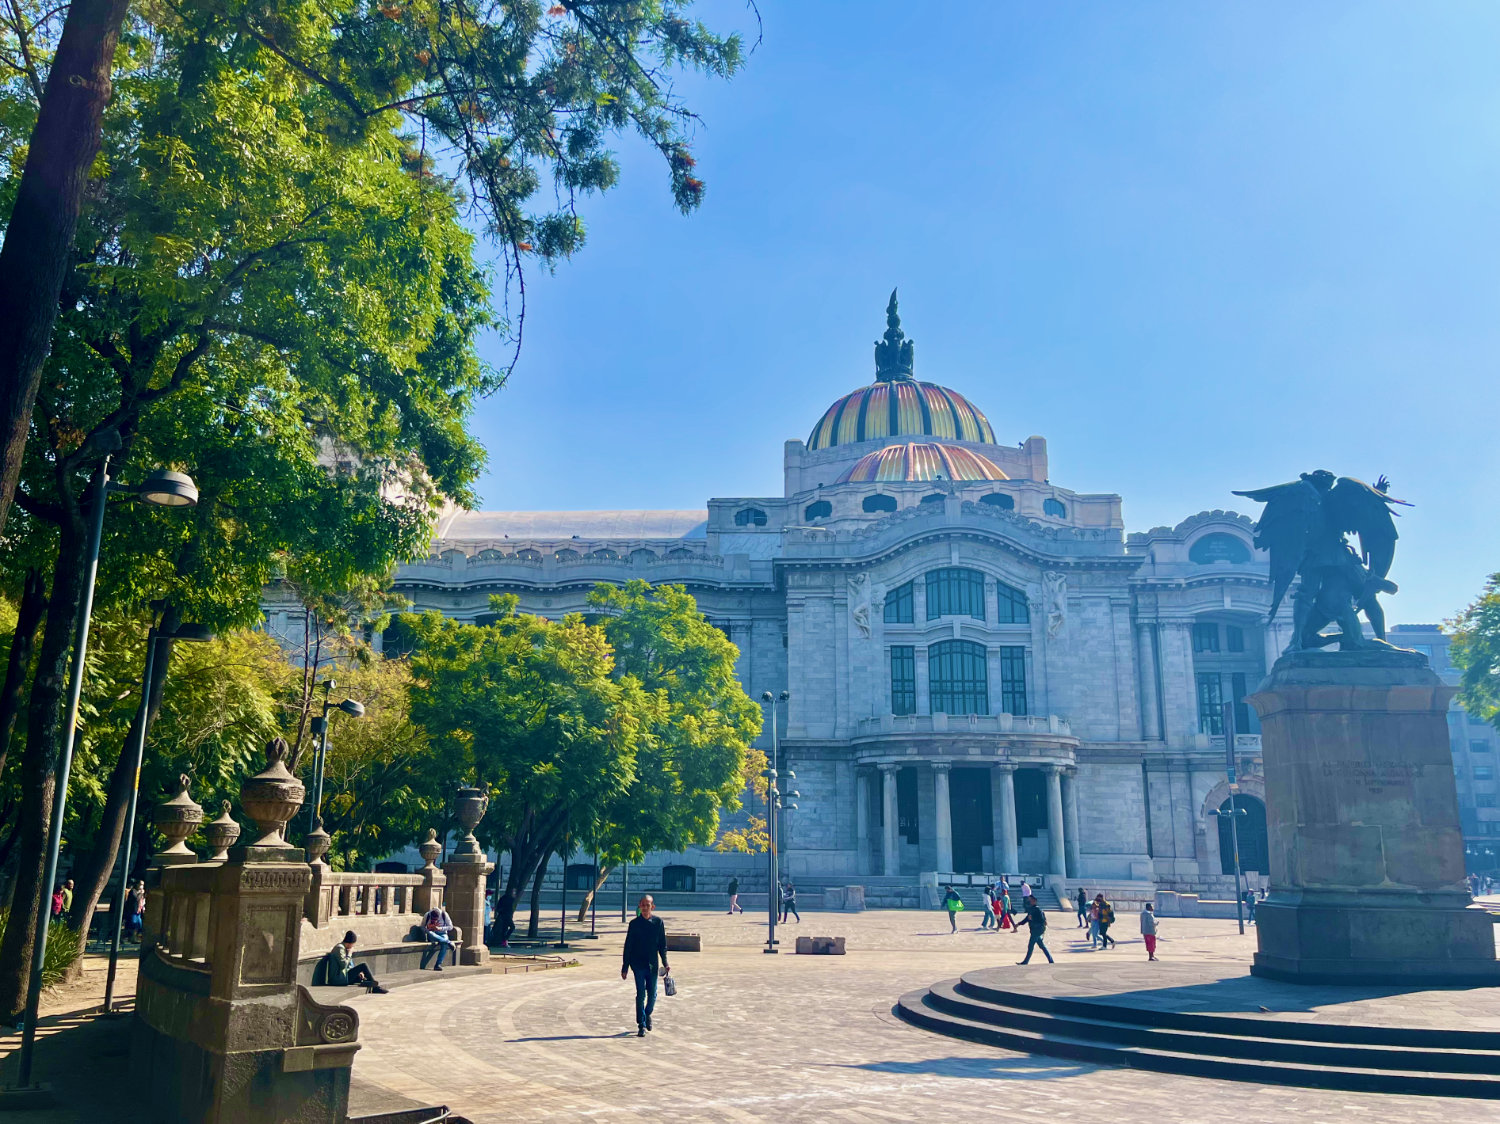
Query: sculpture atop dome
[[893, 354]]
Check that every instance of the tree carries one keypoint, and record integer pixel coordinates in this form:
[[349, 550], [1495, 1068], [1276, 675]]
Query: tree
[[532, 709], [694, 749], [1476, 650], [504, 91]]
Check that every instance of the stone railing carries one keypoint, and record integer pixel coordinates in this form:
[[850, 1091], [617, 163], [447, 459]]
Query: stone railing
[[1019, 724], [185, 903]]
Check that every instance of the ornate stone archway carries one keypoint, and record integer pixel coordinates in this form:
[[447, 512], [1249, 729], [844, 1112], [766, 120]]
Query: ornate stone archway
[[1210, 861]]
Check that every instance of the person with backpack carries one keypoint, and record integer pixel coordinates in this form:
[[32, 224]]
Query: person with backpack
[[1106, 919], [1036, 921], [953, 904], [1093, 914], [789, 901], [437, 927], [987, 896]]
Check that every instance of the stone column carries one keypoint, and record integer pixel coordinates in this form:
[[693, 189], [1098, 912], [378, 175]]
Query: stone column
[[892, 839], [465, 871], [944, 833], [1007, 846], [862, 819], [434, 881], [1070, 821], [1056, 862], [1145, 659]]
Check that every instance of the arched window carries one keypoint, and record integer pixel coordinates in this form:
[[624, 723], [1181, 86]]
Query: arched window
[[454, 557], [566, 554], [935, 497], [489, 556], [1054, 507], [898, 605], [1012, 602], [681, 879], [529, 555], [879, 503], [679, 553], [954, 592], [1219, 547], [749, 517], [957, 678], [605, 555], [1254, 853], [822, 509], [1000, 500], [643, 555]]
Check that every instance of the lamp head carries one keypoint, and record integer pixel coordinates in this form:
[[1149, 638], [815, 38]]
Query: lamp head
[[191, 633], [785, 695], [765, 696], [352, 709], [166, 488]]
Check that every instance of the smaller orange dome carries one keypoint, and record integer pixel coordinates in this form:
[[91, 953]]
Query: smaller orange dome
[[925, 461]]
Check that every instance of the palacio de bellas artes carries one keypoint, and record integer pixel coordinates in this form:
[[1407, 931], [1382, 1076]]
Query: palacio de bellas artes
[[986, 671]]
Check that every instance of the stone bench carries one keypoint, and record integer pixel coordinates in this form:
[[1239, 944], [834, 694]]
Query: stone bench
[[383, 958], [684, 942], [820, 946]]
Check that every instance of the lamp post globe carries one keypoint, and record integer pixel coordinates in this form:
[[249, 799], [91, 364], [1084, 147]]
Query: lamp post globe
[[166, 488]]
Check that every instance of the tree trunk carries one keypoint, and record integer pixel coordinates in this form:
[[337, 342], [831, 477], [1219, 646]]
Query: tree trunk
[[45, 721], [22, 642], [38, 247], [91, 875], [536, 900], [588, 899]]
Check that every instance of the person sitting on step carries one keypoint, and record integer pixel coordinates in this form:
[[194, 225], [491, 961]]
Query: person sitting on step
[[343, 971]]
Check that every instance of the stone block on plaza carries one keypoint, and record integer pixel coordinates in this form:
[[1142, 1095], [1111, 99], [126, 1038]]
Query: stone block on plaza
[[684, 942], [854, 898], [1366, 852], [820, 946]]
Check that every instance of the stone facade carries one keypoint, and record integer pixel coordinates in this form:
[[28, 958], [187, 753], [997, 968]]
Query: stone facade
[[984, 673]]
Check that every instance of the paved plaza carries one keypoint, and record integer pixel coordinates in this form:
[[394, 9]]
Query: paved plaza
[[757, 1037]]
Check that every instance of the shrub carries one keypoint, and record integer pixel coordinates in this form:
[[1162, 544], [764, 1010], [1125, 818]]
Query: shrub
[[64, 947]]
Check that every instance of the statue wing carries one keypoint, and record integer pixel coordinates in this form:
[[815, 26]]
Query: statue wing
[[1356, 507], [1291, 512]]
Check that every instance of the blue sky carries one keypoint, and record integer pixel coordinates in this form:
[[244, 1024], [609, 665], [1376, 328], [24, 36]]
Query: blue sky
[[1196, 246]]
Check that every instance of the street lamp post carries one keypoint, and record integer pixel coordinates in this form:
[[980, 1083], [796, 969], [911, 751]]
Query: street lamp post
[[1234, 813], [162, 488], [195, 633], [320, 757], [773, 804]]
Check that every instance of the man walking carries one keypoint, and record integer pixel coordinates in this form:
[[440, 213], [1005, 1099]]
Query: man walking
[[1083, 909], [645, 942], [1036, 920], [789, 901], [988, 920], [734, 896]]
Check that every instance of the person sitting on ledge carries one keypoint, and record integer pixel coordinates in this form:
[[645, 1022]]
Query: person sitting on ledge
[[343, 971], [438, 929]]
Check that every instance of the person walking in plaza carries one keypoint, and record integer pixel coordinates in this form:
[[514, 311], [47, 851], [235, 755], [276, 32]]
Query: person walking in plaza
[[1249, 899], [1106, 919], [1025, 892], [1148, 930], [953, 904], [645, 943], [505, 919], [988, 921], [1083, 909], [67, 896], [1093, 914], [789, 901], [1007, 919], [135, 911], [57, 904], [438, 929], [342, 971], [1036, 922], [734, 896]]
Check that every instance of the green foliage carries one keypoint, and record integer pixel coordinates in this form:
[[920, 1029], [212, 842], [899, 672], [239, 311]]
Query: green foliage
[[64, 947], [692, 757], [1476, 650]]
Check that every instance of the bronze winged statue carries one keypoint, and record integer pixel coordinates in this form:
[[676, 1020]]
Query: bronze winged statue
[[1303, 526]]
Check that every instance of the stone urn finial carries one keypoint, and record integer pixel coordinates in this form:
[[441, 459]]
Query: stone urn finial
[[222, 833], [430, 848], [272, 796], [176, 819], [470, 807], [317, 842]]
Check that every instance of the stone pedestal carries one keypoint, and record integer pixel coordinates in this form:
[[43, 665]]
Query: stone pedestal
[[466, 880], [1367, 866]]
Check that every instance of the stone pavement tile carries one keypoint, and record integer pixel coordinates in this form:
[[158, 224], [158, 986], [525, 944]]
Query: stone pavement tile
[[794, 1038]]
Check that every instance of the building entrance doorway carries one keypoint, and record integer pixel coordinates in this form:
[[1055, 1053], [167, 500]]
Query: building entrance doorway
[[972, 819], [1255, 855]]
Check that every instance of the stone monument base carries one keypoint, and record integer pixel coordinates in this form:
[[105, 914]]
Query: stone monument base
[[1367, 863]]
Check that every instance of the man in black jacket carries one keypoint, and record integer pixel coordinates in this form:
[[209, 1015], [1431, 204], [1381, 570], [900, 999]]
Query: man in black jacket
[[645, 940], [1036, 920]]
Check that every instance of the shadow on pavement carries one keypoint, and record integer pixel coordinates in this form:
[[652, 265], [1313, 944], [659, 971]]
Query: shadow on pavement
[[1014, 1069]]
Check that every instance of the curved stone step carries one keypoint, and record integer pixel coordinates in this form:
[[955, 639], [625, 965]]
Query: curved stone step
[[925, 1009]]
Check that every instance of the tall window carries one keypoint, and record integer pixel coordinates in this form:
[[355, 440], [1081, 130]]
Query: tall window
[[1012, 680], [1206, 637], [957, 681], [1234, 638], [1210, 703], [898, 605], [903, 679], [1238, 686], [1012, 603], [1479, 747], [955, 593], [820, 509], [749, 517]]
